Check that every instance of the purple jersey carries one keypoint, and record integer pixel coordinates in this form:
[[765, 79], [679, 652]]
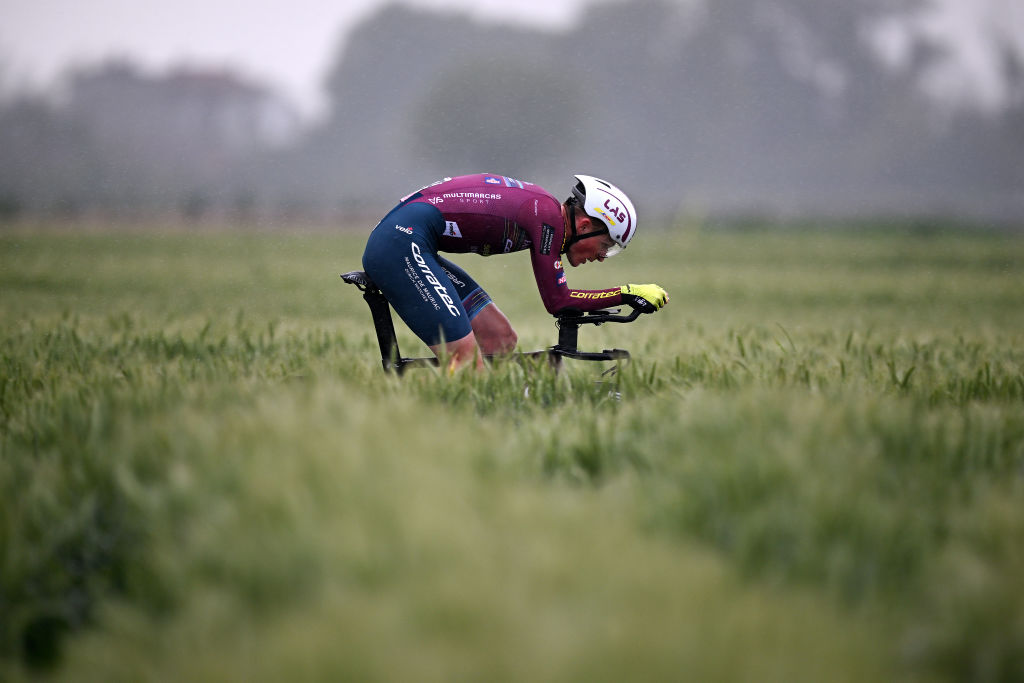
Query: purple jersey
[[491, 214]]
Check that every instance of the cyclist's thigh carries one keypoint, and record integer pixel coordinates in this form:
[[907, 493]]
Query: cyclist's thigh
[[401, 259], [472, 295]]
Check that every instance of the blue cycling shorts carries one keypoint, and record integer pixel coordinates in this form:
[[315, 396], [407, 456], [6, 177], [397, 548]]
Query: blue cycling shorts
[[436, 298]]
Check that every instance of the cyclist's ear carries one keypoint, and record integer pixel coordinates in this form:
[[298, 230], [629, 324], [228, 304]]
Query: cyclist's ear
[[588, 225]]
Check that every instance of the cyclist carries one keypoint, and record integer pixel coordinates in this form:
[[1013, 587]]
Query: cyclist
[[494, 214]]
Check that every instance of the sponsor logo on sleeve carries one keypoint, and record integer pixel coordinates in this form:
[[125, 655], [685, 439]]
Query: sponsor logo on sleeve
[[407, 231], [547, 235], [560, 275], [451, 229], [591, 295], [491, 180]]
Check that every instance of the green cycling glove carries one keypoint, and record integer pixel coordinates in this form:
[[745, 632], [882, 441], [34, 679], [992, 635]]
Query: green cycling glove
[[645, 298]]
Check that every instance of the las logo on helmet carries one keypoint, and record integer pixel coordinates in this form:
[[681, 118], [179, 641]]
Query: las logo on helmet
[[617, 211]]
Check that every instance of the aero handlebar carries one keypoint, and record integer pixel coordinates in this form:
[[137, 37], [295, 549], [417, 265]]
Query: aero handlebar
[[605, 315]]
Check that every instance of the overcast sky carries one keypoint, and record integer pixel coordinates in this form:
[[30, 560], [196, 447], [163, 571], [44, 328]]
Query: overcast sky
[[291, 43]]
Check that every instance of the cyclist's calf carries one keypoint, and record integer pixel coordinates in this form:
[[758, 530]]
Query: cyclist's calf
[[493, 331]]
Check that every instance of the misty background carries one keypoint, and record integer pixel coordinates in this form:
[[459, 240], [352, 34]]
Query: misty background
[[761, 108]]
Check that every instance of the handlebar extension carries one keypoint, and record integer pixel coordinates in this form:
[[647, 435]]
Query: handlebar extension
[[605, 315]]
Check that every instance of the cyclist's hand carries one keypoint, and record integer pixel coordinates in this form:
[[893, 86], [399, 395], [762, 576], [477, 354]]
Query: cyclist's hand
[[644, 298]]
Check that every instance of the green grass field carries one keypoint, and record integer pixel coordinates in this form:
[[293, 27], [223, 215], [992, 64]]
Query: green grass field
[[813, 470]]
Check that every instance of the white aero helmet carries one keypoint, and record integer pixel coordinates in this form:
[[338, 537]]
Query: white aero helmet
[[610, 205]]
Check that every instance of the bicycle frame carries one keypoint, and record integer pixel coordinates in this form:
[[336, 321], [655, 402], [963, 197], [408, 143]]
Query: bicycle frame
[[568, 324]]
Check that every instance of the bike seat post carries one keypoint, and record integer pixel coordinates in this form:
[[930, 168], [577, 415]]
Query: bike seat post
[[380, 310]]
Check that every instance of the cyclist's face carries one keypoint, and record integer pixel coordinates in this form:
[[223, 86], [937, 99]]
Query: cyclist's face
[[594, 248]]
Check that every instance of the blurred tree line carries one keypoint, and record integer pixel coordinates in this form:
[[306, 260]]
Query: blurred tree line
[[730, 106]]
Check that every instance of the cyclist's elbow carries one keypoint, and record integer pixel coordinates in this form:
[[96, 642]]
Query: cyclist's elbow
[[556, 306]]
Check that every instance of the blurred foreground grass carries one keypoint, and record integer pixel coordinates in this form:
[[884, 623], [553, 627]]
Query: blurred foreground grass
[[813, 469]]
